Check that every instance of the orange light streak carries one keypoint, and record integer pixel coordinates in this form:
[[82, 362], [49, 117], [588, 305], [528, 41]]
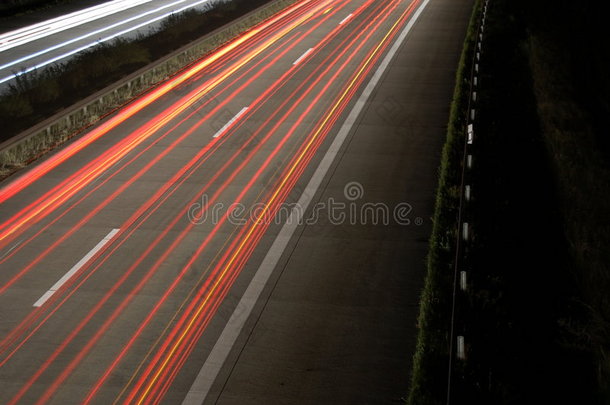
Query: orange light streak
[[342, 101]]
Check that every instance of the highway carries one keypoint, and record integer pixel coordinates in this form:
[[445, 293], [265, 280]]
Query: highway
[[55, 40], [209, 241]]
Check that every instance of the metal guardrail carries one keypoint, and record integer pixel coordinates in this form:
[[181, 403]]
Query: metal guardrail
[[464, 228]]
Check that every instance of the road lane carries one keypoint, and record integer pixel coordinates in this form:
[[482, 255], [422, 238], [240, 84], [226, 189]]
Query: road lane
[[337, 322], [136, 322]]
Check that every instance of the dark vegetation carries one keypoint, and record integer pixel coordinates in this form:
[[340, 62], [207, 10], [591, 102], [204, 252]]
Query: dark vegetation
[[536, 316], [17, 13], [523, 285], [430, 362], [10, 8], [569, 57], [38, 95]]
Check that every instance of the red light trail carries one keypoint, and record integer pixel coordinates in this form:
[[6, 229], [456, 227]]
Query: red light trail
[[291, 118]]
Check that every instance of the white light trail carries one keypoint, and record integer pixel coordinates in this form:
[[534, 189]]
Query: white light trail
[[40, 30], [101, 40]]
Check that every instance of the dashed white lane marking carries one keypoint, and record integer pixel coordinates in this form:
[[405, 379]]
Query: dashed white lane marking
[[228, 124], [307, 52], [345, 19], [75, 268]]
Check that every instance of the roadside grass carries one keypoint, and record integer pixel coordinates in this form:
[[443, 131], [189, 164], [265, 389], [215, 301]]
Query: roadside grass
[[429, 375], [536, 315]]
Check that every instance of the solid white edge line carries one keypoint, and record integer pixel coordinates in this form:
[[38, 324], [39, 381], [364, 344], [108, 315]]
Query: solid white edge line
[[307, 52], [209, 371], [75, 268], [231, 121], [345, 19]]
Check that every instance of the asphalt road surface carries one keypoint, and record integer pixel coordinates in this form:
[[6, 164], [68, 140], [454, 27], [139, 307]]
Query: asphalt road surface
[[252, 231], [35, 46]]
